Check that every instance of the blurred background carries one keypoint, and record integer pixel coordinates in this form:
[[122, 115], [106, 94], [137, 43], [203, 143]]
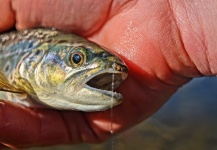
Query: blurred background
[[188, 121]]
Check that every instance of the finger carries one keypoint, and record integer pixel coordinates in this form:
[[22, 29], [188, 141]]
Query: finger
[[7, 16], [71, 15], [22, 127]]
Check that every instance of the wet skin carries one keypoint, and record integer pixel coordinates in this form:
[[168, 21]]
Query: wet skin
[[165, 44]]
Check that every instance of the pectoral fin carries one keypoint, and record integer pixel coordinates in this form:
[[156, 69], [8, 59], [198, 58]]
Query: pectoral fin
[[6, 86]]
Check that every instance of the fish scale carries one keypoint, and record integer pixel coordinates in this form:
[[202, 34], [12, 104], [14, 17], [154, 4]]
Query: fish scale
[[37, 69]]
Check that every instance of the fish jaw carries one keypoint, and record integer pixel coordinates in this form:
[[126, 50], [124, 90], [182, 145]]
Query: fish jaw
[[103, 99], [89, 99]]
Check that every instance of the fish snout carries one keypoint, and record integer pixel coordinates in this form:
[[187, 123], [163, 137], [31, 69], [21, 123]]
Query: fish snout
[[120, 67]]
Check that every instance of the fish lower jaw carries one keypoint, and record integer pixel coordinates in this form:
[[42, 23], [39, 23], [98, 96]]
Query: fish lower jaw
[[112, 94]]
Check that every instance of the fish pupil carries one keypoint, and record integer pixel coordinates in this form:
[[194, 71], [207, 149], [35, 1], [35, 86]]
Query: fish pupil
[[76, 58]]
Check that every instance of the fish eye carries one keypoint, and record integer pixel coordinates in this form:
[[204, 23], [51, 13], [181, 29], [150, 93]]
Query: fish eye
[[76, 59]]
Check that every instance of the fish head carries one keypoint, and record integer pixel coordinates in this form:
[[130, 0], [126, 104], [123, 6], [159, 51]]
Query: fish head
[[80, 76]]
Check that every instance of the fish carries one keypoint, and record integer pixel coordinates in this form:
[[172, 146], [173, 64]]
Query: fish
[[48, 68]]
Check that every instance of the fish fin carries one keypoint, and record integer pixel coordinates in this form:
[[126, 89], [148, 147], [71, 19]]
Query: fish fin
[[6, 86]]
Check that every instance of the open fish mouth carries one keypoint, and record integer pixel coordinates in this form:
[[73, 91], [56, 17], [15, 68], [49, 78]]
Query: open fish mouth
[[106, 81]]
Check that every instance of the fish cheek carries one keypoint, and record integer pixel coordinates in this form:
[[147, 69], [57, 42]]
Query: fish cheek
[[56, 75]]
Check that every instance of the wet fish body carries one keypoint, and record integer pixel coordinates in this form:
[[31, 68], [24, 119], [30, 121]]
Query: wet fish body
[[49, 68]]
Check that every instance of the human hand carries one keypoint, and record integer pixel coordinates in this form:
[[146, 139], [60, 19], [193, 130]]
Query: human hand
[[163, 45]]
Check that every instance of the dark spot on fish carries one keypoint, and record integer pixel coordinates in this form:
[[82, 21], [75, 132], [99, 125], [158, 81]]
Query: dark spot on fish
[[30, 45], [7, 68], [104, 55], [37, 52], [62, 41]]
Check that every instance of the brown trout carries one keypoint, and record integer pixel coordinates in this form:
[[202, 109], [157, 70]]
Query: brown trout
[[49, 68]]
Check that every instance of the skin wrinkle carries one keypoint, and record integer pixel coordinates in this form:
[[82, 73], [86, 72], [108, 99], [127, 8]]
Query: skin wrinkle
[[69, 136], [106, 18], [201, 38], [194, 28], [170, 84], [40, 126], [24, 131], [115, 7], [75, 127], [94, 133], [181, 47], [57, 134], [13, 18], [96, 21], [170, 79], [205, 46], [181, 43], [118, 7], [146, 86], [212, 30]]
